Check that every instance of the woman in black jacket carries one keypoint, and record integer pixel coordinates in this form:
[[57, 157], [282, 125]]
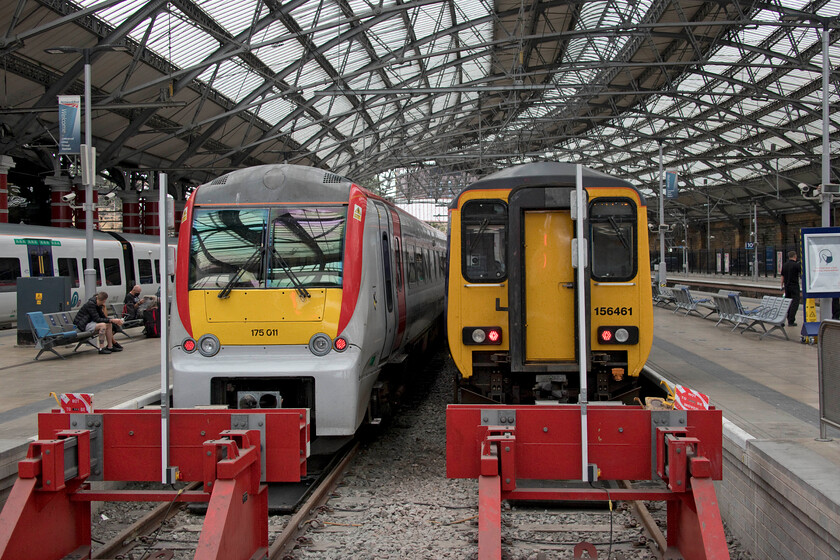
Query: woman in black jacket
[[91, 318]]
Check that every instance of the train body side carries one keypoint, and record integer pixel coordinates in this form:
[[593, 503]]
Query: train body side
[[122, 260], [269, 335]]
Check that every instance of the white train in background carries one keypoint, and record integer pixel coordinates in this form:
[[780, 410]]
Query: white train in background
[[120, 260]]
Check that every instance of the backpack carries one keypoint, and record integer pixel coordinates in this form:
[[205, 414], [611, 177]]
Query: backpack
[[151, 320]]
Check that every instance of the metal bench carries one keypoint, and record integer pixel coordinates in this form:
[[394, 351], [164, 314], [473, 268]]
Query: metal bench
[[662, 296], [55, 329], [684, 300], [772, 312]]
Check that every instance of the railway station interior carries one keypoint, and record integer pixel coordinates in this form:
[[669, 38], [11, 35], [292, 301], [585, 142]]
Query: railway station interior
[[724, 115]]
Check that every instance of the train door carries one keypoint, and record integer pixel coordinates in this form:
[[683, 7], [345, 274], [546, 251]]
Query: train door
[[543, 290], [40, 260], [387, 303], [549, 287]]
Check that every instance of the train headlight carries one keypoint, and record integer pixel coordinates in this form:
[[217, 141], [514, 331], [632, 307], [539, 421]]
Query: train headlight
[[208, 345], [621, 335], [320, 344], [340, 344], [188, 345], [481, 335], [618, 335]]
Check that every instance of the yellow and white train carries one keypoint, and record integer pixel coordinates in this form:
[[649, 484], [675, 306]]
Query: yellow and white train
[[515, 301]]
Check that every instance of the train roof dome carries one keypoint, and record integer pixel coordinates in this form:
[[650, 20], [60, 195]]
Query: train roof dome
[[546, 174], [274, 183]]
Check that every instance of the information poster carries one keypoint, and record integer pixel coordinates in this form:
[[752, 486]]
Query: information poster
[[821, 262], [69, 124]]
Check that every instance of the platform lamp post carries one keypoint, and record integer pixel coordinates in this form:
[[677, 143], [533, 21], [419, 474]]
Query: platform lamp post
[[88, 155]]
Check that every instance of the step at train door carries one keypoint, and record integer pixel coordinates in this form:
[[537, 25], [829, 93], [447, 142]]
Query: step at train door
[[543, 290]]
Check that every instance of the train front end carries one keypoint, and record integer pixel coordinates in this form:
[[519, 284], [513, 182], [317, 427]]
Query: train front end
[[514, 294], [268, 272]]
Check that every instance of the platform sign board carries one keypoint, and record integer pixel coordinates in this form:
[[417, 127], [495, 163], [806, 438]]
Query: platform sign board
[[69, 124], [821, 262]]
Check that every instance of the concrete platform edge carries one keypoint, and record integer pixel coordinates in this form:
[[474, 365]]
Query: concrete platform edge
[[777, 497]]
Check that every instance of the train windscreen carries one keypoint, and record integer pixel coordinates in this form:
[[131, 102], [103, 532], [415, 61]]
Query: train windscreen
[[286, 247]]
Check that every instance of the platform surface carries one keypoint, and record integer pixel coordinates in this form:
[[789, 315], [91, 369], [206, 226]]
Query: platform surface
[[767, 387], [112, 378]]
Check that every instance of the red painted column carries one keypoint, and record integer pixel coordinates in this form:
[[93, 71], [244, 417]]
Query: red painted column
[[79, 210], [131, 211], [6, 163], [61, 215], [151, 201]]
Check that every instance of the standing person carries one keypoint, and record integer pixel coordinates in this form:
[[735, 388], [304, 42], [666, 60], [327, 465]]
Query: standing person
[[791, 271], [91, 318], [132, 303]]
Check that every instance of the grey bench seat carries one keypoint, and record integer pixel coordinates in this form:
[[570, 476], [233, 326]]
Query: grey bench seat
[[56, 329]]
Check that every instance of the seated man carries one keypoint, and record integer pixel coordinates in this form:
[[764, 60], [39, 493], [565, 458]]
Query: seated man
[[92, 318], [132, 304]]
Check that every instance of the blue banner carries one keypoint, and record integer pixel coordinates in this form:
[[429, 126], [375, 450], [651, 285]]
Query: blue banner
[[69, 124], [671, 190]]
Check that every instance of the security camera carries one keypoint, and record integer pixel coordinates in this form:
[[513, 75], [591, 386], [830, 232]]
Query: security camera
[[109, 196], [804, 188], [69, 197]]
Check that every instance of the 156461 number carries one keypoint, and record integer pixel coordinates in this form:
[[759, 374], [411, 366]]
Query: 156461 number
[[607, 310]]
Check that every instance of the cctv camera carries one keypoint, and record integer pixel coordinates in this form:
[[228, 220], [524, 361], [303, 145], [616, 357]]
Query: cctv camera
[[109, 196], [69, 197], [803, 188]]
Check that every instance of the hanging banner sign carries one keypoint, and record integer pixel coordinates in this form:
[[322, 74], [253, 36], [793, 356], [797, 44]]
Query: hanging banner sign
[[821, 262], [69, 124], [671, 190]]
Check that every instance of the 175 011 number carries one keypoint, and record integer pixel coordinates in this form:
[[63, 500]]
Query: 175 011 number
[[607, 310], [265, 332]]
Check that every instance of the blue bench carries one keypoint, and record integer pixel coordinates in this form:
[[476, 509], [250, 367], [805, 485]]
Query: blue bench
[[56, 329]]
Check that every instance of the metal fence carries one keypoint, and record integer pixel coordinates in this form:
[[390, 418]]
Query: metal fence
[[733, 261], [829, 375]]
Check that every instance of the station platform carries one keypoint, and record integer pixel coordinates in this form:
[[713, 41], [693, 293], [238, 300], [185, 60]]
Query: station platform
[[781, 489], [121, 378]]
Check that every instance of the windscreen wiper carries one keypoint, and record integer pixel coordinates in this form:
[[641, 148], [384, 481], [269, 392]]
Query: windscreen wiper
[[302, 292], [252, 260], [618, 232]]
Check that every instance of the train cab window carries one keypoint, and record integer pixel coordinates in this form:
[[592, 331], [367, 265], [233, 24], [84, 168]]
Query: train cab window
[[9, 273], [227, 246], [70, 268], [144, 267], [95, 267], [306, 247], [612, 224], [113, 276], [484, 241]]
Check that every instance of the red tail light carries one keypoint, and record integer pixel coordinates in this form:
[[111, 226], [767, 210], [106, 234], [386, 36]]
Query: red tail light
[[481, 335], [188, 345]]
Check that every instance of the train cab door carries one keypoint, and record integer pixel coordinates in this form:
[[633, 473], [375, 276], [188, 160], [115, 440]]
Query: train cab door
[[543, 311], [386, 304]]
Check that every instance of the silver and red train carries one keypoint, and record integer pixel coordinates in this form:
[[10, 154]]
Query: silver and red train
[[294, 288]]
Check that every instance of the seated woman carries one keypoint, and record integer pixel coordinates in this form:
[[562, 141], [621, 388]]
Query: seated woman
[[92, 318]]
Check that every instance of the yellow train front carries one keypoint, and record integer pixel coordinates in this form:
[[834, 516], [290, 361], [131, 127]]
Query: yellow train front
[[513, 295]]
